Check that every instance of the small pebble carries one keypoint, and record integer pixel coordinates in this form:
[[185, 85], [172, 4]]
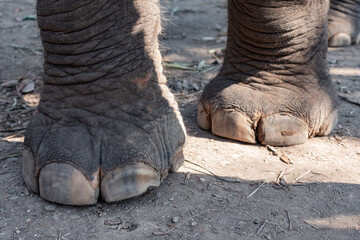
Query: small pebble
[[256, 221], [18, 231], [50, 208], [193, 223], [56, 218], [175, 219], [12, 191], [195, 86], [30, 87], [202, 179], [13, 198], [158, 195]]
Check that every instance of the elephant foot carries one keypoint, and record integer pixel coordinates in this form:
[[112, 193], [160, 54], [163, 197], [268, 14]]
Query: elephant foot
[[342, 39], [73, 162], [107, 125], [344, 23], [274, 87], [273, 115]]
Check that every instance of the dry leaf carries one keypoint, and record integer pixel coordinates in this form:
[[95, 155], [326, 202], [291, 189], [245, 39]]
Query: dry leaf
[[286, 159]]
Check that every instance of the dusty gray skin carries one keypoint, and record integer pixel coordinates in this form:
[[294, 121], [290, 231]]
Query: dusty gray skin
[[344, 23], [107, 124], [274, 86]]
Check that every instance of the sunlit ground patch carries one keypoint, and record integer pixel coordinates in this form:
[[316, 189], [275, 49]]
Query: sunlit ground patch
[[345, 71], [350, 222]]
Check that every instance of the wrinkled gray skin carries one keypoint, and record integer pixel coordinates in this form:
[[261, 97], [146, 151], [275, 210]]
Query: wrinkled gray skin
[[107, 124]]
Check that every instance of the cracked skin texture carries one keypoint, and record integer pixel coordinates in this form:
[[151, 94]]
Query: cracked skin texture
[[108, 126]]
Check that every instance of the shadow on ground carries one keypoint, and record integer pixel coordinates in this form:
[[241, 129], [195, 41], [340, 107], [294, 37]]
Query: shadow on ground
[[187, 206]]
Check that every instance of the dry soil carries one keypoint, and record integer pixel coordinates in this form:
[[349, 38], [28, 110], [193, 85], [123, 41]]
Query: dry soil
[[226, 189]]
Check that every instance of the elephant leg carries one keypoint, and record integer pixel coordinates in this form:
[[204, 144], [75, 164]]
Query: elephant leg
[[274, 86], [106, 123], [344, 23]]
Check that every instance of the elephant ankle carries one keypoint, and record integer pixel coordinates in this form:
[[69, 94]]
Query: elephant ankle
[[291, 47], [98, 41]]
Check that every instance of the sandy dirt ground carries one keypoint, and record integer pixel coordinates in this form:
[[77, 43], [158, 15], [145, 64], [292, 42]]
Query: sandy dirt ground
[[225, 189]]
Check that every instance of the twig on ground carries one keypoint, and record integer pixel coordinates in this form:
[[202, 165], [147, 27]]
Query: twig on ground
[[302, 184], [59, 236], [280, 175], [213, 174], [301, 176], [181, 66], [257, 189], [20, 111], [311, 225], [349, 100], [276, 225], [130, 209], [11, 156], [160, 233], [25, 48], [12, 106], [262, 227], [12, 130], [289, 219]]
